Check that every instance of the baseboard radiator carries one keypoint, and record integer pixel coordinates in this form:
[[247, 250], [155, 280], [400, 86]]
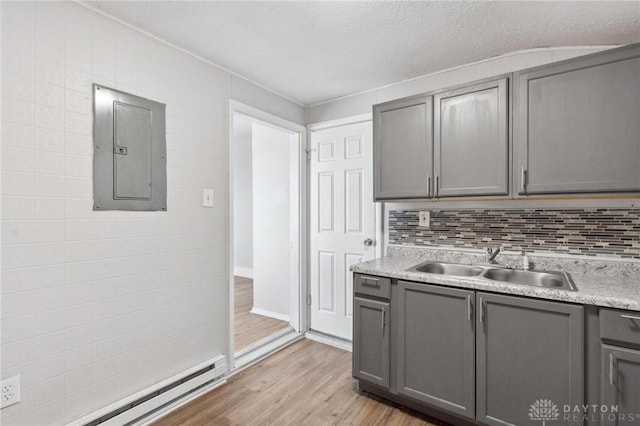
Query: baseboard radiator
[[143, 405]]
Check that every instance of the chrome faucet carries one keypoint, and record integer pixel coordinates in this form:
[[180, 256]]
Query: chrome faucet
[[490, 255]]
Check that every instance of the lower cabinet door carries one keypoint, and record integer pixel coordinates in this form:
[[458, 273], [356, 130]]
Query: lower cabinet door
[[530, 361], [435, 346], [371, 341], [620, 386]]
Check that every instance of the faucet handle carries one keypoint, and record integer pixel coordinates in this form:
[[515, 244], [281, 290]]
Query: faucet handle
[[526, 263]]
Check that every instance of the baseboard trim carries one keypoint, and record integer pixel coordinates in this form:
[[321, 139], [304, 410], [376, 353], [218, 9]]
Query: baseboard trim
[[330, 340], [270, 314], [243, 271], [147, 401]]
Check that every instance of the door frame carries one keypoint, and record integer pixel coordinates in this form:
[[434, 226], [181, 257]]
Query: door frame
[[298, 273], [380, 243]]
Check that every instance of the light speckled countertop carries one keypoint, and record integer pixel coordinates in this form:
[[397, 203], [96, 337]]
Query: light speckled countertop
[[600, 290]]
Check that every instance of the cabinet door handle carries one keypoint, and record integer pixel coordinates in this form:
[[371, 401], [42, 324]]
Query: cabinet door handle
[[611, 369], [429, 186], [523, 179], [384, 314], [469, 307], [437, 188], [481, 310], [631, 317]]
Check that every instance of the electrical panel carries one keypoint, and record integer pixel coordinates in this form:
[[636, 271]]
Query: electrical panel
[[129, 161]]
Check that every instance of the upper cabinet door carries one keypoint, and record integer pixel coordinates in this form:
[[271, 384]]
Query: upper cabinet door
[[577, 126], [402, 143], [471, 140]]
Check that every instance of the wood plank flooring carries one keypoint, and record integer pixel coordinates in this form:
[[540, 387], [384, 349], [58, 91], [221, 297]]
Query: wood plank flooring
[[250, 327], [308, 384]]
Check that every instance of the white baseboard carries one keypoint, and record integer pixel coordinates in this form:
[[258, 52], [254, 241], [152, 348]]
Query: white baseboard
[[243, 271], [151, 405], [270, 314], [329, 340]]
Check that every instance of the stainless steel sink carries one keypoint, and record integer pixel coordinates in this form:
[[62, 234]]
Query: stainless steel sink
[[449, 269], [547, 279]]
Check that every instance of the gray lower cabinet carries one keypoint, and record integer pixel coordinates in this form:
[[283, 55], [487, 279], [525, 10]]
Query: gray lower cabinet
[[528, 351], [371, 341], [471, 140], [576, 126], [620, 365], [620, 385], [403, 148], [435, 344]]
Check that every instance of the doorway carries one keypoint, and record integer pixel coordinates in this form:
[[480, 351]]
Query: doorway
[[265, 212], [344, 222]]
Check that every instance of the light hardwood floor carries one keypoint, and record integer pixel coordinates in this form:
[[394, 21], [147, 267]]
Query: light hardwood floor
[[250, 327], [306, 384]]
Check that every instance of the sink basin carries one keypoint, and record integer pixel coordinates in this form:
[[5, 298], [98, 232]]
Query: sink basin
[[557, 280], [449, 269], [547, 279]]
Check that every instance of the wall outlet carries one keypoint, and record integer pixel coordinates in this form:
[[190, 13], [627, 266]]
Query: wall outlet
[[10, 391], [425, 219], [207, 197]]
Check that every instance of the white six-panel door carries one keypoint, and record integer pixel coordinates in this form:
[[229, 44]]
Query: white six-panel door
[[342, 219]]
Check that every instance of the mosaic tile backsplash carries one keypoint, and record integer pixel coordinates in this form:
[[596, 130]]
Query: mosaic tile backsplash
[[595, 232]]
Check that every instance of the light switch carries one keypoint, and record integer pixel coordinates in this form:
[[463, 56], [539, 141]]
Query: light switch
[[425, 218], [207, 197]]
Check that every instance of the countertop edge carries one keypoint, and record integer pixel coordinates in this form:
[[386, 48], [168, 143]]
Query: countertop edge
[[481, 284]]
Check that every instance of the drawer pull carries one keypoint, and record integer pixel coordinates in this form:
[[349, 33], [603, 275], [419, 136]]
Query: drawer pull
[[371, 282], [631, 317]]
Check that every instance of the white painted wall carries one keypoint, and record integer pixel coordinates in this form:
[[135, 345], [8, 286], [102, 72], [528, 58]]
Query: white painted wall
[[99, 305], [361, 103], [271, 220], [242, 197]]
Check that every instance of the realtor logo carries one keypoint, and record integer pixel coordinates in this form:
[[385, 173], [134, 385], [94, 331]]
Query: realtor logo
[[544, 410]]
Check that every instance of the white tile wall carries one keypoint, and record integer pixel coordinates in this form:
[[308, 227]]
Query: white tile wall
[[99, 305]]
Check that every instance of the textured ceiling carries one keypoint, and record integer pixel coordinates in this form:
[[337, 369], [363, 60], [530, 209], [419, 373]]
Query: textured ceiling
[[315, 51]]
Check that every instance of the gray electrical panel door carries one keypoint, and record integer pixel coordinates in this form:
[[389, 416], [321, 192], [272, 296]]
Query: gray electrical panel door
[[435, 346], [620, 383], [371, 341], [129, 152], [402, 148], [577, 126], [471, 140], [527, 352]]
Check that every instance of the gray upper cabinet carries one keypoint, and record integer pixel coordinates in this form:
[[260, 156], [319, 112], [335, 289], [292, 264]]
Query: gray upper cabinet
[[620, 382], [577, 126], [527, 350], [402, 148], [471, 140], [371, 341], [435, 344]]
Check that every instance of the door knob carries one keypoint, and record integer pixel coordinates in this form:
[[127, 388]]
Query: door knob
[[368, 242]]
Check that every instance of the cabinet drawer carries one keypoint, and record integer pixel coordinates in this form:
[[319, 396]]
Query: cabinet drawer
[[373, 286], [621, 326]]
